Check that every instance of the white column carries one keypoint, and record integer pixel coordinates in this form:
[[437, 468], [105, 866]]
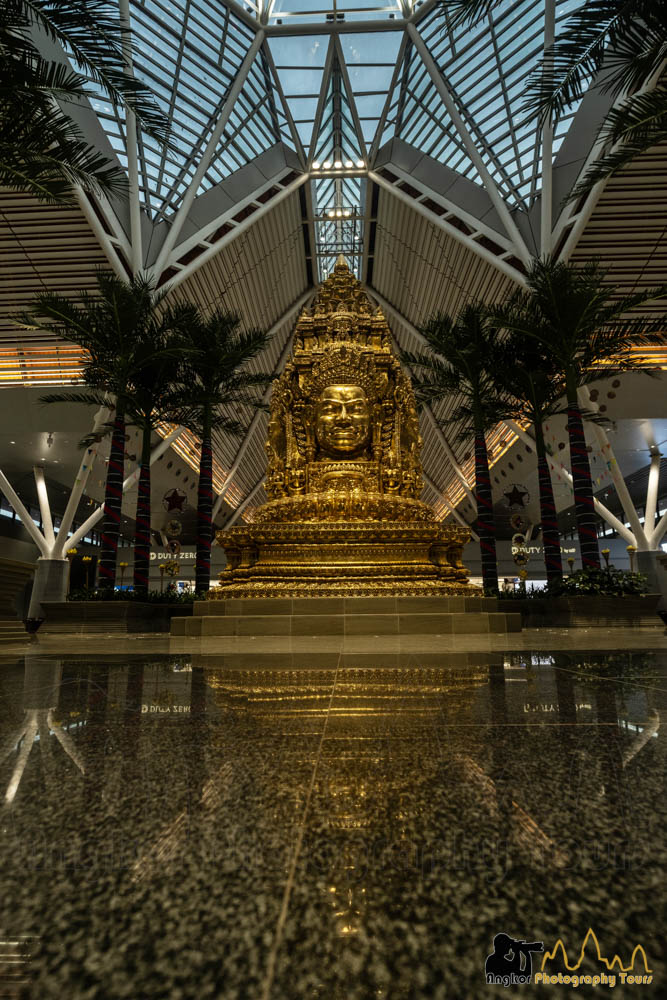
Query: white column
[[24, 516], [79, 485], [44, 506], [129, 482], [600, 508], [617, 478]]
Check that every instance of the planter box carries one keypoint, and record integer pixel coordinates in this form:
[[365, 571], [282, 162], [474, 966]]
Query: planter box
[[95, 617], [584, 611]]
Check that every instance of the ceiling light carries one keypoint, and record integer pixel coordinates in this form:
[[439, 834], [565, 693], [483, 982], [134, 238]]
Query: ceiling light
[[360, 163], [339, 214], [316, 165], [327, 164], [338, 164], [331, 214], [349, 164], [347, 212]]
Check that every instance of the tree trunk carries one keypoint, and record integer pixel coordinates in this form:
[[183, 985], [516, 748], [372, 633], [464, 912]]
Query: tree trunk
[[550, 533], [204, 513], [113, 502], [485, 525], [583, 488], [142, 537]]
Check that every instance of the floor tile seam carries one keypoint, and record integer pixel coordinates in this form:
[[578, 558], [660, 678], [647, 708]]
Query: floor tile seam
[[296, 853]]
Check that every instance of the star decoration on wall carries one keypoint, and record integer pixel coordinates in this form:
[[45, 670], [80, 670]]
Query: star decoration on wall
[[517, 497], [174, 500]]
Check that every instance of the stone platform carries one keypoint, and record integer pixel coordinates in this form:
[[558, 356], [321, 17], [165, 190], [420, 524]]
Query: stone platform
[[347, 616]]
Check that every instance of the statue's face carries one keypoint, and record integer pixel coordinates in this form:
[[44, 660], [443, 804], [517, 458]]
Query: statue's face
[[343, 419]]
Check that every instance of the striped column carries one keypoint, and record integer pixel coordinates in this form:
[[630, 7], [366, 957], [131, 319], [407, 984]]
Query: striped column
[[485, 524], [583, 491], [113, 502], [204, 517]]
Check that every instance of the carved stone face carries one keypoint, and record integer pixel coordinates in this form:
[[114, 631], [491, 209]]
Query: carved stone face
[[343, 420]]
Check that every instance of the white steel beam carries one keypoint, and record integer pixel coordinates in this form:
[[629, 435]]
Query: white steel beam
[[582, 215], [398, 69], [558, 467], [206, 156], [321, 101], [496, 197], [426, 409], [280, 364], [452, 510], [136, 251], [239, 510], [467, 241], [350, 96], [212, 249], [547, 141], [296, 138], [103, 238]]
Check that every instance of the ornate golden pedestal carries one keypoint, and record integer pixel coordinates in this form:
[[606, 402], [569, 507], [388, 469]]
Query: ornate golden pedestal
[[344, 474]]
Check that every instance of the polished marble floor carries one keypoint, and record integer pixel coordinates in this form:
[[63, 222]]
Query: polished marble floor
[[346, 820]]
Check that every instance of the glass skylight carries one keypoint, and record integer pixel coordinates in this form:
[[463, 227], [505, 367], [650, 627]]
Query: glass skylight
[[348, 92]]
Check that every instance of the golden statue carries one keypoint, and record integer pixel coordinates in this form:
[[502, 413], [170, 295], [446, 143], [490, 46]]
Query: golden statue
[[343, 481]]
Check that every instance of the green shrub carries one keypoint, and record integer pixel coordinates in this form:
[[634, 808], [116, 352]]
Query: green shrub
[[610, 582]]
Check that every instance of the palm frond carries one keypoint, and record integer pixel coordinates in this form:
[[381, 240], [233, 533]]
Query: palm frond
[[92, 32], [43, 153], [467, 12], [602, 35], [89, 398], [636, 125]]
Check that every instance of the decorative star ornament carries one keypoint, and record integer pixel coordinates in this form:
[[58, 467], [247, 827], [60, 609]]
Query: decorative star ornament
[[517, 497], [174, 500]]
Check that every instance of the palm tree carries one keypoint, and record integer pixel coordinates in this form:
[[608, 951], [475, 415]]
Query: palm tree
[[42, 151], [464, 348], [214, 377], [123, 329], [572, 312], [155, 378], [624, 42], [525, 370]]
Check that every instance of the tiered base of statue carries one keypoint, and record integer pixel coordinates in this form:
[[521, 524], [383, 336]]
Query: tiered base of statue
[[343, 558]]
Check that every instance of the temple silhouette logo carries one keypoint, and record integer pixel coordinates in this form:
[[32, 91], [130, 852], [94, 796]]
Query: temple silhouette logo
[[510, 964]]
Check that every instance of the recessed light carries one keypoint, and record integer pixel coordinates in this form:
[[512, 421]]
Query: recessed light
[[12, 442]]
